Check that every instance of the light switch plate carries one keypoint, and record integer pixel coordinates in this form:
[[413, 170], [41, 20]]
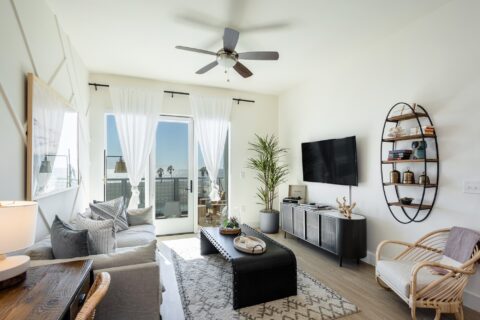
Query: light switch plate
[[471, 186]]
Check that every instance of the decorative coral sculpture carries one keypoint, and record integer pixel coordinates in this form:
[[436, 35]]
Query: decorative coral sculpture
[[345, 209]]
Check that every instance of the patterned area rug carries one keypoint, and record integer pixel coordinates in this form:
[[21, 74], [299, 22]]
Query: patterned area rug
[[205, 286]]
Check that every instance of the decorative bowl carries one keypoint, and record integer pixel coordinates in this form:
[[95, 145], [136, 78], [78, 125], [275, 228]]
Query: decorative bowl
[[233, 231], [406, 200]]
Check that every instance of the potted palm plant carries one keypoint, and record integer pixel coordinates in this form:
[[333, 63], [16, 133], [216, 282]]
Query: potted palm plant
[[270, 173]]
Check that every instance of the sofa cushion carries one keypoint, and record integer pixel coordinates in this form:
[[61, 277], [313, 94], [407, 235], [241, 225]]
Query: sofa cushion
[[68, 242], [136, 236], [121, 257], [42, 250], [397, 275], [126, 256], [113, 209], [140, 216], [101, 234]]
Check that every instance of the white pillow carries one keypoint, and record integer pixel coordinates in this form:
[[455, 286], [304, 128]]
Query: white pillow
[[136, 217], [101, 234]]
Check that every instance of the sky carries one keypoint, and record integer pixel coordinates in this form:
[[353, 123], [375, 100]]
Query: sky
[[171, 146]]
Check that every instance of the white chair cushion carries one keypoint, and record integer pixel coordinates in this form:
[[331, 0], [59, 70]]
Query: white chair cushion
[[397, 275]]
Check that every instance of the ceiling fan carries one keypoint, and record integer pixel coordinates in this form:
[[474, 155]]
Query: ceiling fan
[[228, 57]]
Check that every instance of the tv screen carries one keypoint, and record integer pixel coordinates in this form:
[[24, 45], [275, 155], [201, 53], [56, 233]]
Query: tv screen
[[330, 161]]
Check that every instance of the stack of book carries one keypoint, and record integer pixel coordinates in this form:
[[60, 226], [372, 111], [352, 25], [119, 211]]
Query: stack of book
[[428, 130], [399, 154]]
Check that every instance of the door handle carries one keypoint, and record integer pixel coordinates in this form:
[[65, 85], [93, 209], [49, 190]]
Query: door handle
[[191, 187]]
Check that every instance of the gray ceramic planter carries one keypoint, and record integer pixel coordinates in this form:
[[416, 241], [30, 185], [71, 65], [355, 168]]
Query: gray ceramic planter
[[269, 221]]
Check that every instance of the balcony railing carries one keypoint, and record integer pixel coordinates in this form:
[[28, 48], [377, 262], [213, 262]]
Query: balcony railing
[[167, 190]]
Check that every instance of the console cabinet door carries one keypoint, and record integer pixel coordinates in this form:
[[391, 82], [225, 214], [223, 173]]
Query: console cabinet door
[[286, 211], [299, 222], [313, 227], [329, 233]]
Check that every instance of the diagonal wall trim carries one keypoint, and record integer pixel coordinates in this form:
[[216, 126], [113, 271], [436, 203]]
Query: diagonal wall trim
[[57, 70], [62, 43], [43, 218], [24, 37], [17, 121], [75, 80]]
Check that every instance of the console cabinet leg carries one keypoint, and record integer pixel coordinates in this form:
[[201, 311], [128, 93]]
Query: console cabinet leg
[[340, 260]]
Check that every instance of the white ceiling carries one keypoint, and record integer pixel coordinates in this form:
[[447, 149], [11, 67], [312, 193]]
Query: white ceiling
[[137, 37]]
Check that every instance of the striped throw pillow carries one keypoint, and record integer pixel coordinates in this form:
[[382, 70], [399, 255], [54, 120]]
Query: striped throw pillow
[[114, 210], [101, 234]]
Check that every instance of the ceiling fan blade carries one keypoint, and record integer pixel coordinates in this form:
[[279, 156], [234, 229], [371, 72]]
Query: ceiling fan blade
[[259, 55], [230, 39], [242, 70], [265, 27], [200, 20], [196, 50], [207, 67]]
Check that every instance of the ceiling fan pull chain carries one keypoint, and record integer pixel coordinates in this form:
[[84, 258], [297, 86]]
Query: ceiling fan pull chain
[[227, 75]]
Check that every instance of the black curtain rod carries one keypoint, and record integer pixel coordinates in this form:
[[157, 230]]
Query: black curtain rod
[[172, 93]]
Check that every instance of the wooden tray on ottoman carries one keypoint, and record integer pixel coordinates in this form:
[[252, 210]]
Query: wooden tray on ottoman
[[230, 231]]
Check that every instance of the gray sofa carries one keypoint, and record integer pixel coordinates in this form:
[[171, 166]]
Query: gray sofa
[[135, 290]]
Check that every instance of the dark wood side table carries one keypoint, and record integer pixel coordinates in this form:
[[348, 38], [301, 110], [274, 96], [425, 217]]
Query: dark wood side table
[[50, 292]]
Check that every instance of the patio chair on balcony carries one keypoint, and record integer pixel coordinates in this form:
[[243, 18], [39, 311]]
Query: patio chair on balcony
[[172, 209]]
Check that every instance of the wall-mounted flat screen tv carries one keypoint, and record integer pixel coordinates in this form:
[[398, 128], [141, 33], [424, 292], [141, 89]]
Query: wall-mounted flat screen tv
[[331, 161]]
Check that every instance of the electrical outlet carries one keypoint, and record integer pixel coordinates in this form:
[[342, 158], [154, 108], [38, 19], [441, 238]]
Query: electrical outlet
[[471, 187], [242, 174], [244, 209]]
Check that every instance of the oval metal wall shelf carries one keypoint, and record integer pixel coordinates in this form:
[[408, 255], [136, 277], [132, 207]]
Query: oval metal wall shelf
[[397, 209]]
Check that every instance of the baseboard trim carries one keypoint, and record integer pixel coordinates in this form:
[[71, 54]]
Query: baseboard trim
[[370, 258], [470, 299]]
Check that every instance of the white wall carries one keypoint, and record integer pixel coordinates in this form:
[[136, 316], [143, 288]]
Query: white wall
[[434, 62], [47, 46], [246, 120]]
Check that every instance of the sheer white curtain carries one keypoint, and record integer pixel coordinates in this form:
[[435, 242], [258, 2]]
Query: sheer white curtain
[[212, 118], [136, 115]]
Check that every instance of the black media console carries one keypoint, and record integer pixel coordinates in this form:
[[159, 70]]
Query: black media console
[[327, 229]]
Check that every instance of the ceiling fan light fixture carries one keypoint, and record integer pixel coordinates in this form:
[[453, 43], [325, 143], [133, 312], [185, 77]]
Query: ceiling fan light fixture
[[226, 60]]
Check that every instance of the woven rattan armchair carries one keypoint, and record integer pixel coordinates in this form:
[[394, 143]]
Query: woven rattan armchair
[[410, 276], [95, 295]]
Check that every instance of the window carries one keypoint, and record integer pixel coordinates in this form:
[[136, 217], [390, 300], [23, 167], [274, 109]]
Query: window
[[116, 179], [209, 213]]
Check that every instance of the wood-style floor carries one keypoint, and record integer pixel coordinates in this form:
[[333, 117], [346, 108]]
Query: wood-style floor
[[354, 282]]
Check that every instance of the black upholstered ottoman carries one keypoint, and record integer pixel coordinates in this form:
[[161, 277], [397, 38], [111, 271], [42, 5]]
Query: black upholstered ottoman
[[256, 278]]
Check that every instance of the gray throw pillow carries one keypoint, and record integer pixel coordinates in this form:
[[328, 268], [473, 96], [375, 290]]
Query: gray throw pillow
[[113, 209], [68, 242], [101, 234], [140, 216]]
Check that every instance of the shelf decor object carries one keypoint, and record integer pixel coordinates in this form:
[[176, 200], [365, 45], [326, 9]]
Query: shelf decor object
[[17, 231], [424, 131]]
